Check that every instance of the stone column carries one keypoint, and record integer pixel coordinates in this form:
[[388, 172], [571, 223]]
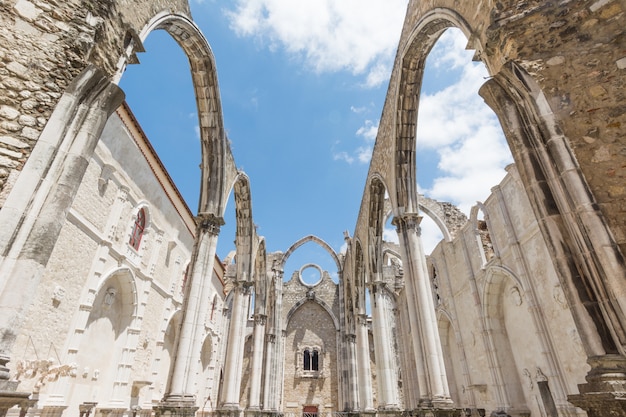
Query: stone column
[[386, 377], [272, 391], [257, 362], [233, 367], [270, 373], [36, 209], [180, 400], [366, 402], [352, 381], [416, 277]]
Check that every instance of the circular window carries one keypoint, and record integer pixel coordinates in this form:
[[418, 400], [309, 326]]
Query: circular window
[[310, 275]]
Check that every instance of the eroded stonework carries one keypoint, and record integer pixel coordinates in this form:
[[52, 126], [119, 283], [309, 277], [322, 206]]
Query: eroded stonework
[[518, 311]]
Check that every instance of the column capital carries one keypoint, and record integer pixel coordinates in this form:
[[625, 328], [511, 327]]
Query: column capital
[[210, 223], [350, 338], [362, 319], [260, 319], [408, 221]]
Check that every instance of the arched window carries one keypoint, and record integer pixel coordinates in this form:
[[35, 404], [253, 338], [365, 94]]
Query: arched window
[[311, 360], [138, 229], [315, 361]]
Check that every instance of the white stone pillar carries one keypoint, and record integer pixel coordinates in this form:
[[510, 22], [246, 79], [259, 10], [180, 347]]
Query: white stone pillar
[[197, 294], [385, 362], [366, 402], [352, 381], [270, 373], [416, 272], [233, 366], [257, 362]]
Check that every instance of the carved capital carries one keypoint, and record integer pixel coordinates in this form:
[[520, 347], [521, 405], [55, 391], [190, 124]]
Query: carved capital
[[260, 319], [362, 319], [209, 223], [407, 222], [350, 338], [270, 337]]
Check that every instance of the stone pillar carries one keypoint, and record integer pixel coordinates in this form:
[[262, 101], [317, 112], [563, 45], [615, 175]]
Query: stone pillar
[[352, 380], [36, 209], [180, 400], [257, 362], [386, 377], [416, 277], [366, 401], [272, 388], [233, 367], [270, 373]]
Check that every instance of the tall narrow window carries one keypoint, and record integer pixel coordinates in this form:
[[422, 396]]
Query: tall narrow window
[[315, 361], [307, 360], [140, 224]]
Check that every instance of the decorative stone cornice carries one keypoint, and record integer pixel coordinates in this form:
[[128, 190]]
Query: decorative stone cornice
[[209, 223]]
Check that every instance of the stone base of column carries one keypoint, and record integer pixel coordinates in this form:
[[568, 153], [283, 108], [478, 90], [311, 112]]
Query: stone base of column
[[110, 412], [604, 394], [9, 399], [55, 411], [227, 411], [177, 406], [435, 412]]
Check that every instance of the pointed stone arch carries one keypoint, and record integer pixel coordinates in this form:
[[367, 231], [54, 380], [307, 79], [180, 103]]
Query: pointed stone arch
[[506, 380], [216, 166], [421, 40], [317, 240]]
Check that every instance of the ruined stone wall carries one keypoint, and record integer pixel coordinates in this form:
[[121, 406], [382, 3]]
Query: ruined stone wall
[[509, 313], [44, 45], [574, 50]]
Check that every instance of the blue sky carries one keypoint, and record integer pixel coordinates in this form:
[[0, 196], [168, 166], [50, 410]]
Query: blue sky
[[302, 87]]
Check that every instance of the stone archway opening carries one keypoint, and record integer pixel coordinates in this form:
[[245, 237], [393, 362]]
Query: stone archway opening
[[461, 151]]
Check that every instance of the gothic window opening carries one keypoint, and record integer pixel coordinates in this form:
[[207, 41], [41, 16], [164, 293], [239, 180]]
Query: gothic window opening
[[138, 229], [311, 360]]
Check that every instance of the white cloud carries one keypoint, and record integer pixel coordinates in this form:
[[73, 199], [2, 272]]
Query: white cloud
[[343, 156], [364, 154], [358, 110], [368, 131], [359, 36], [464, 132]]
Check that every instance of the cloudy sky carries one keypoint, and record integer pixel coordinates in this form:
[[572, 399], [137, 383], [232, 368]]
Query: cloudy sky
[[302, 87]]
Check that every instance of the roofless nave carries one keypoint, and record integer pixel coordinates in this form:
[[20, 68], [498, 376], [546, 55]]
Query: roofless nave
[[112, 301]]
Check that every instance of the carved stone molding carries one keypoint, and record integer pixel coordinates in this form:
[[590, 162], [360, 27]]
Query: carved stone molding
[[406, 222], [210, 223]]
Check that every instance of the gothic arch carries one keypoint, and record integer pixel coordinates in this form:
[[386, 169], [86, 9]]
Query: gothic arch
[[245, 229], [315, 239], [215, 150], [376, 216], [261, 280], [321, 303], [421, 40], [505, 377]]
